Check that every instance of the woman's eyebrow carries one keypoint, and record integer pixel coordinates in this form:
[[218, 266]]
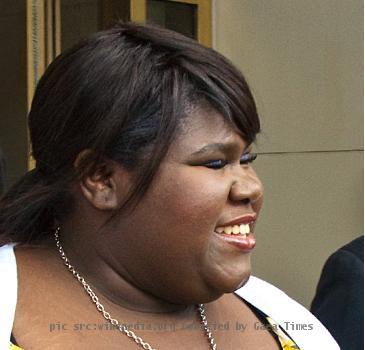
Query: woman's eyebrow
[[223, 147]]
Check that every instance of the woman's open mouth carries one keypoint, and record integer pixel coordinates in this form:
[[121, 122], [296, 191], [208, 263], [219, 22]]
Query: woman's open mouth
[[239, 235]]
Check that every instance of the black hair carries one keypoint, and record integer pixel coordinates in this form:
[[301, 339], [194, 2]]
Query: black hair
[[121, 94]]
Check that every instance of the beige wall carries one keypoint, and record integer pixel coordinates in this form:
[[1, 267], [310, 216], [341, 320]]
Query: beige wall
[[303, 60]]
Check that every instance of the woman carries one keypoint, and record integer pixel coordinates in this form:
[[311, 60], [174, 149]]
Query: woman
[[143, 188]]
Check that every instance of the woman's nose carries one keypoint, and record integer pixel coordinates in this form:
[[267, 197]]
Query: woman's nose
[[246, 188]]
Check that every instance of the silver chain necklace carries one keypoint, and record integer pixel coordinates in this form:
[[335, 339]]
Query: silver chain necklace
[[122, 328]]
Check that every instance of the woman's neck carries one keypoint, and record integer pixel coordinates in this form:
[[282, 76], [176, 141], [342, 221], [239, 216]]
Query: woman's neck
[[105, 277]]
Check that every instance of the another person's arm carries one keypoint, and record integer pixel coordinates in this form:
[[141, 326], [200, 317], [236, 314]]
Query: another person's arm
[[339, 300]]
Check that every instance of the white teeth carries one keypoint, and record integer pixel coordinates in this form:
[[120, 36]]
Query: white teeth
[[242, 229], [228, 230], [236, 230]]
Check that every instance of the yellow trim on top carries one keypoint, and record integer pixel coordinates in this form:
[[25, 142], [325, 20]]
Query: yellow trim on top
[[14, 347], [138, 11]]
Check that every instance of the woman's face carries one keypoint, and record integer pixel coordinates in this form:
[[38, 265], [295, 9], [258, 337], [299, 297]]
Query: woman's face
[[168, 246]]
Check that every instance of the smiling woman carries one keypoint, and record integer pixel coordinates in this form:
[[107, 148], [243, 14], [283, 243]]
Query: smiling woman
[[144, 189]]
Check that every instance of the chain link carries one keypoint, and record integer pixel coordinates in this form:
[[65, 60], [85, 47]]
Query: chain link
[[122, 328], [204, 322]]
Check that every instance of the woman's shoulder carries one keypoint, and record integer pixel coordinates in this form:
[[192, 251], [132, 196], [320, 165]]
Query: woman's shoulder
[[305, 329]]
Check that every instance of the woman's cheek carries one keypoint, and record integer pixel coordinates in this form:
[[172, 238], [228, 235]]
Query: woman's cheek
[[197, 198]]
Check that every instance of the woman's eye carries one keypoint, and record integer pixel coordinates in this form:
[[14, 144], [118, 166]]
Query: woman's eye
[[216, 164], [219, 164], [248, 158]]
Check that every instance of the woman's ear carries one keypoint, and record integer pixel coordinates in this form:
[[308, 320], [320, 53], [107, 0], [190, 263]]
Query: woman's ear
[[100, 192], [103, 187]]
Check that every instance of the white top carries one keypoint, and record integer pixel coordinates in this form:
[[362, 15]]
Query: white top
[[304, 328]]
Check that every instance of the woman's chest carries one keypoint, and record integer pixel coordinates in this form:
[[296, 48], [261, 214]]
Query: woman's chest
[[100, 336], [67, 325], [61, 315]]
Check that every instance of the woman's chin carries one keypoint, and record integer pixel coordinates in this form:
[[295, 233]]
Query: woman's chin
[[243, 282], [213, 291], [237, 283], [213, 283], [230, 280]]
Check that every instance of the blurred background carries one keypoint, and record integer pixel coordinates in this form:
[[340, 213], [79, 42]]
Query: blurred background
[[304, 63]]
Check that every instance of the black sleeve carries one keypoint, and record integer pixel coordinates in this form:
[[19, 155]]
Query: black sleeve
[[339, 299]]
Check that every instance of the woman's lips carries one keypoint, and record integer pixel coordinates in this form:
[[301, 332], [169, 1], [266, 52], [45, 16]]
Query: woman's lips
[[244, 219], [245, 243], [238, 232]]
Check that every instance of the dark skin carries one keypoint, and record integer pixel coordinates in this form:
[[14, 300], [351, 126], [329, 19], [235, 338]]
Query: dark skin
[[154, 264]]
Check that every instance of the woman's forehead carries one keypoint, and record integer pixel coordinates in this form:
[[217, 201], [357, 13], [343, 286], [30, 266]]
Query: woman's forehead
[[205, 120], [203, 128]]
